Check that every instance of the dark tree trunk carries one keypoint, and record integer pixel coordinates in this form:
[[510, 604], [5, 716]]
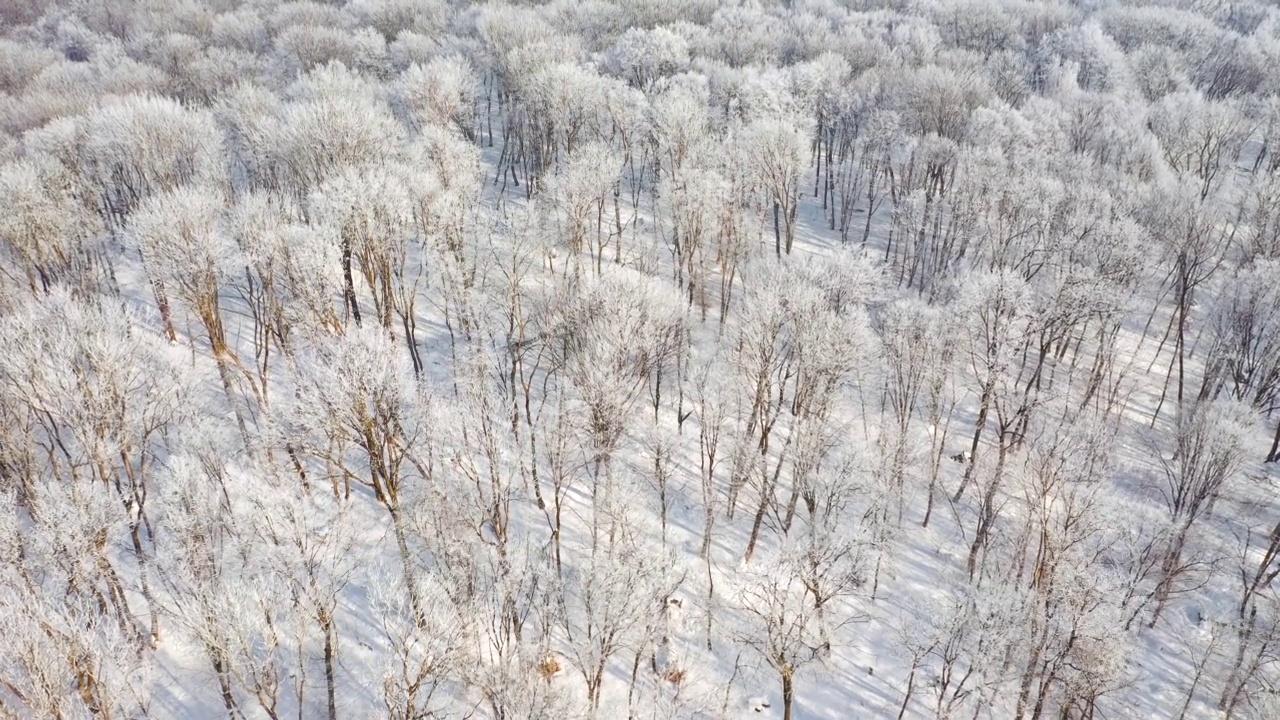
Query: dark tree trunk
[[349, 287], [788, 694], [983, 411], [330, 660], [777, 232]]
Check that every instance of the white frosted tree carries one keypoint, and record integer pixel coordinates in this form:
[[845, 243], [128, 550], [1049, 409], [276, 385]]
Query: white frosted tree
[[368, 213], [605, 601], [781, 622], [102, 415], [1243, 359], [361, 412], [182, 235], [142, 145], [774, 149], [443, 93], [47, 227], [610, 337], [1210, 451], [578, 194]]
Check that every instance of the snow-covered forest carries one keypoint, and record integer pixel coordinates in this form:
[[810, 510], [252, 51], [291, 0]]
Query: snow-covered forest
[[642, 359]]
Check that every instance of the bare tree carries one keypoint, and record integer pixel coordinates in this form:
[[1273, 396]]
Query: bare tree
[[105, 415], [351, 397], [781, 622], [1242, 361], [1210, 451], [181, 234], [424, 659], [48, 228], [776, 149], [603, 605]]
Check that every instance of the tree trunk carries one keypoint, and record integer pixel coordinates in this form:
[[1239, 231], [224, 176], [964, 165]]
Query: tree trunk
[[791, 225], [1235, 681], [162, 304], [348, 284], [411, 341], [906, 699], [769, 482], [410, 577], [987, 512], [136, 536], [224, 682], [224, 373], [788, 693], [330, 660], [983, 411], [777, 232]]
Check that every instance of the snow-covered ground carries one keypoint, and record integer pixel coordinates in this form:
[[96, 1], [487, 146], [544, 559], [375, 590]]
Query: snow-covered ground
[[513, 365]]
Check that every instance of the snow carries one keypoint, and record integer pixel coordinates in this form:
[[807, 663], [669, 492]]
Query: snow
[[531, 564]]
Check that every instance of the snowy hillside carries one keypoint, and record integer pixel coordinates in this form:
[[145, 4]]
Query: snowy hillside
[[645, 359]]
